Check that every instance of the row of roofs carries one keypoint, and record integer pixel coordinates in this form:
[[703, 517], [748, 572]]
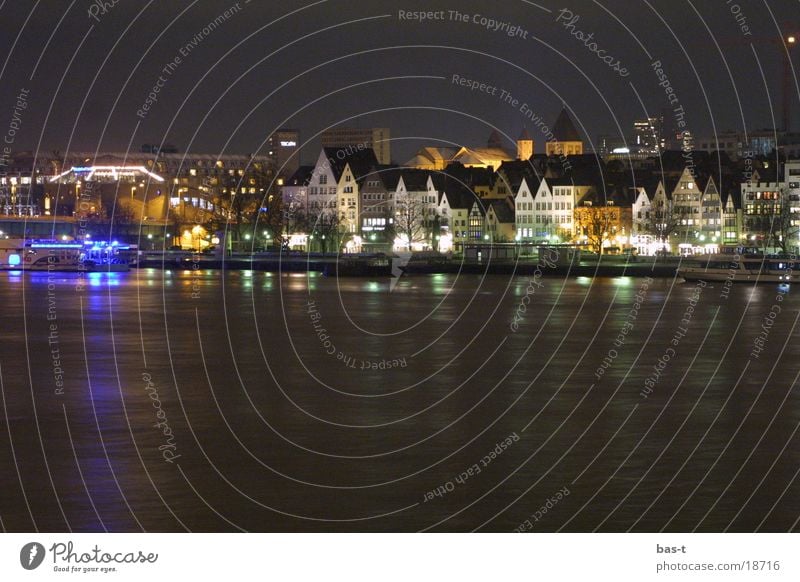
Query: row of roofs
[[610, 181]]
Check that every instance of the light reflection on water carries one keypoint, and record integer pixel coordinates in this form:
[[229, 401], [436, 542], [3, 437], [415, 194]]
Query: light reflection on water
[[244, 363]]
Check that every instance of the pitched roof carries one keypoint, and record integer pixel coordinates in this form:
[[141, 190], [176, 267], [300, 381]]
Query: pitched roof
[[512, 173], [360, 160], [564, 130], [414, 180], [608, 193], [459, 195], [301, 177], [388, 175], [502, 210], [471, 176]]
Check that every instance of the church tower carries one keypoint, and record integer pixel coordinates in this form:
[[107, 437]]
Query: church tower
[[524, 146], [566, 140]]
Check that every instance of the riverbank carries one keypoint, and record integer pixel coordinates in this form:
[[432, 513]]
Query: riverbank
[[343, 265]]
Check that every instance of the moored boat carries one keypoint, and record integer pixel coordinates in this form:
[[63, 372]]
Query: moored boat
[[19, 254], [741, 265]]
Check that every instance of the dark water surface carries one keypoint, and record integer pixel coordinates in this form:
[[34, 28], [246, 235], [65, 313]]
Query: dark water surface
[[210, 402]]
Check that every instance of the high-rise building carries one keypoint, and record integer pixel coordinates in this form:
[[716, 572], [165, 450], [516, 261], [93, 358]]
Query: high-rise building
[[282, 149], [647, 134], [377, 139]]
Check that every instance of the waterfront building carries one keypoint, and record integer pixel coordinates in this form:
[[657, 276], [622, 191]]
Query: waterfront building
[[500, 220], [554, 205], [377, 205], [731, 220]]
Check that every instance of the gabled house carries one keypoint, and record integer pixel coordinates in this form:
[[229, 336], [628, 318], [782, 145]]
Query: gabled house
[[322, 186], [731, 220], [524, 213], [350, 166], [711, 216], [377, 204], [294, 192], [500, 220], [521, 179], [604, 220], [455, 204], [415, 205], [554, 204], [687, 204]]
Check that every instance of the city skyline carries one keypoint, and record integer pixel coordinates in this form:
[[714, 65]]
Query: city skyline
[[324, 266]]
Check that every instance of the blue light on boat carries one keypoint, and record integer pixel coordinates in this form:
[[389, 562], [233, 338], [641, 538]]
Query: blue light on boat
[[56, 246], [14, 260]]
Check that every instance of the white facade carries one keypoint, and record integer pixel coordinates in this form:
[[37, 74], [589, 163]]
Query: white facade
[[524, 213], [554, 206], [322, 188], [348, 201]]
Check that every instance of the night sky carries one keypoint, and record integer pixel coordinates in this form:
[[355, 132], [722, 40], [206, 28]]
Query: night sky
[[310, 65]]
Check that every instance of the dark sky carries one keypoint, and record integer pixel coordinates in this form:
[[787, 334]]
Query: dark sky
[[313, 64]]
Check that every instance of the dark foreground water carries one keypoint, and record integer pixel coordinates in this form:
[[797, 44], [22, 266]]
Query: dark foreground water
[[221, 402]]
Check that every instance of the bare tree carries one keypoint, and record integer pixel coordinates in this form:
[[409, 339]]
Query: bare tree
[[776, 228], [786, 228], [596, 223], [324, 227], [410, 216], [663, 222]]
